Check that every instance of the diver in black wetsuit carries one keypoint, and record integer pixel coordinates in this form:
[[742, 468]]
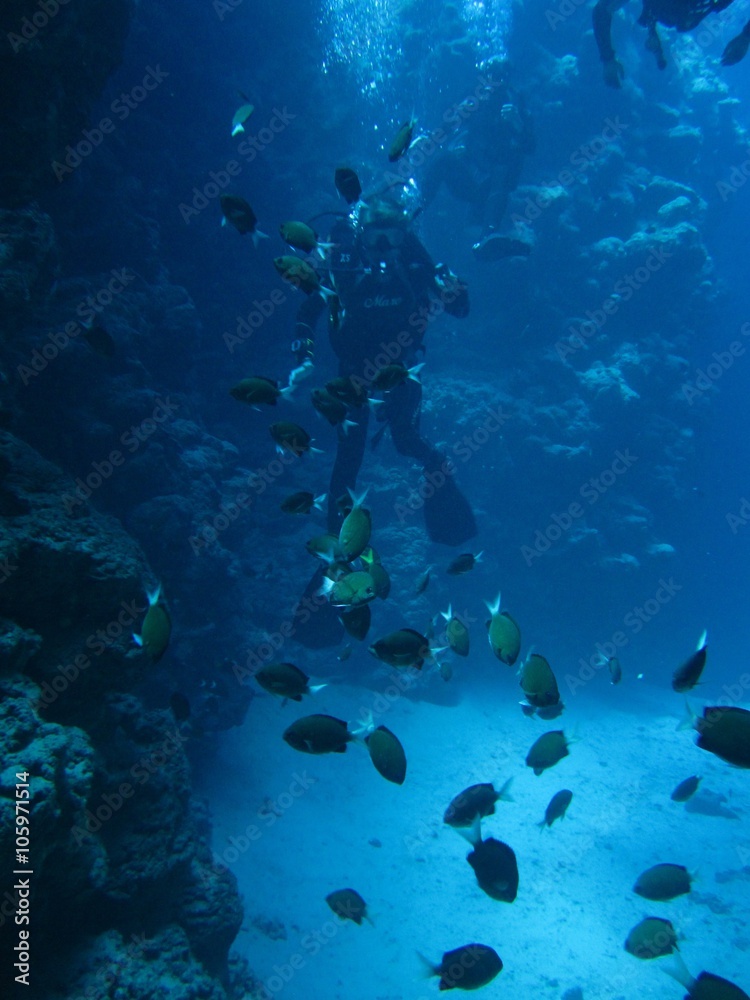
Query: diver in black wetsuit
[[483, 161], [684, 15], [388, 288]]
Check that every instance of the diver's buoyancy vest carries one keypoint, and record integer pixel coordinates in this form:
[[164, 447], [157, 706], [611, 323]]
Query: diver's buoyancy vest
[[376, 286]]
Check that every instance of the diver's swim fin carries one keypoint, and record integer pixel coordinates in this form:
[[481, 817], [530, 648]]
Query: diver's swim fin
[[497, 247], [377, 436], [447, 515], [316, 622]]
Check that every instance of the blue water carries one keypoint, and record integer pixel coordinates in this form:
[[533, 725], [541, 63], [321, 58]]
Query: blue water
[[613, 504]]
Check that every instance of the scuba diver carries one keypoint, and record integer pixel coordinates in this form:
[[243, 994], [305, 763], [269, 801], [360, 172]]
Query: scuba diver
[[684, 15], [482, 165], [387, 290]]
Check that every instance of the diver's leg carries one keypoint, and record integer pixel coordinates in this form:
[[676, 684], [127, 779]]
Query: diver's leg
[[451, 169], [736, 48], [448, 516], [434, 176], [461, 179], [403, 410], [318, 624], [505, 178], [653, 44], [349, 455]]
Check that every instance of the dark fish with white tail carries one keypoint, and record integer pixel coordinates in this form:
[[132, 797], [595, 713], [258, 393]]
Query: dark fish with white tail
[[557, 807], [663, 882], [302, 502], [494, 864], [403, 648], [476, 800], [548, 750], [686, 789], [724, 730], [687, 676], [348, 905], [318, 734], [402, 140], [238, 213], [463, 563], [156, 628], [704, 986], [465, 968], [503, 634], [257, 389], [387, 754], [347, 184], [653, 937], [286, 681]]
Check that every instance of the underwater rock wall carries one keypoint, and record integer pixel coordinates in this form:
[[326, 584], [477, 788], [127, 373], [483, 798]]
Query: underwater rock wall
[[124, 897], [123, 889], [57, 57], [28, 262]]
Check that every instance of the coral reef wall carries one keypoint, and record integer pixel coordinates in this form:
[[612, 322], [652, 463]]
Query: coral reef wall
[[119, 848], [124, 898], [57, 58]]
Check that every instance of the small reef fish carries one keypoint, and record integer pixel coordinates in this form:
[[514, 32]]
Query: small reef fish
[[156, 628]]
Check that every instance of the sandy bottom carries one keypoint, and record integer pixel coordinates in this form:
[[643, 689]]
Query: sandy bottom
[[294, 827]]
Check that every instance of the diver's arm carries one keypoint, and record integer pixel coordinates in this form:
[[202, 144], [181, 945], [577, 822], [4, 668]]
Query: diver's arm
[[303, 345], [452, 292], [737, 47], [527, 142], [435, 281], [602, 18]]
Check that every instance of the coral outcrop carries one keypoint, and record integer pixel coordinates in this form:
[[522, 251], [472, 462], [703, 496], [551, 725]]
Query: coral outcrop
[[119, 847]]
